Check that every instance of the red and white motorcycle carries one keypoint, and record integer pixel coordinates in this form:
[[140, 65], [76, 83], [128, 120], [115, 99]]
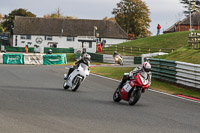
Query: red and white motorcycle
[[131, 90]]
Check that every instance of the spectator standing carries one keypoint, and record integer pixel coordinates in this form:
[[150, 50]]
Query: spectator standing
[[158, 29]]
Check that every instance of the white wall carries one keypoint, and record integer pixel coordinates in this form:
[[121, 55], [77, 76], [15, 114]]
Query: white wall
[[110, 41], [61, 40]]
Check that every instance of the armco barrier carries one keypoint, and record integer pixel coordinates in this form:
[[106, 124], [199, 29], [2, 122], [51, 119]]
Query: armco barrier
[[33, 59], [13, 59], [55, 59], [163, 69], [109, 59], [188, 74], [178, 72], [96, 57]]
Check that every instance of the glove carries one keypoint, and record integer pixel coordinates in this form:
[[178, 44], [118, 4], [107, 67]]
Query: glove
[[131, 74]]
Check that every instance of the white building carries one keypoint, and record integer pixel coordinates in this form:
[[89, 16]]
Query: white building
[[66, 33]]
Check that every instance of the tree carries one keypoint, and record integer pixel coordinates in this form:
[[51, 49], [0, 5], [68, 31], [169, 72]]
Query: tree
[[133, 17], [1, 29], [8, 23], [54, 15], [110, 19], [194, 6]]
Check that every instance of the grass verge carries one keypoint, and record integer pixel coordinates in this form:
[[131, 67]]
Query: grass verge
[[117, 73]]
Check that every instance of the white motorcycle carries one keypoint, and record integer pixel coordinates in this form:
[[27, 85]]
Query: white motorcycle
[[118, 59], [76, 77]]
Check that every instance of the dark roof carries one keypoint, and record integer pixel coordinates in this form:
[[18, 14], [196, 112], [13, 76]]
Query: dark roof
[[195, 21], [71, 27]]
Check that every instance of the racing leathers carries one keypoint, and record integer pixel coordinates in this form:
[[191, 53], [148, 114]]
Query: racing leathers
[[140, 70]]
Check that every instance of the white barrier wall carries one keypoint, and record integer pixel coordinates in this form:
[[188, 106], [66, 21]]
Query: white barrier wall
[[1, 58], [109, 59], [188, 74], [33, 59]]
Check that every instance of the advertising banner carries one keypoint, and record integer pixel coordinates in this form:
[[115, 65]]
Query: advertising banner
[[33, 59], [13, 59], [54, 59], [1, 58]]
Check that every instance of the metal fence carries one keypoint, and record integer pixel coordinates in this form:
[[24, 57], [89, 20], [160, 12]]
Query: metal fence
[[127, 50], [178, 72], [194, 40]]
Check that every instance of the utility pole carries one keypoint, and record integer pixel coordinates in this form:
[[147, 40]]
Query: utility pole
[[190, 16]]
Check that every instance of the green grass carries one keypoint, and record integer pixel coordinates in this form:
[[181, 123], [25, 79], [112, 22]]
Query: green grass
[[111, 72], [184, 54], [170, 40], [166, 42], [117, 73]]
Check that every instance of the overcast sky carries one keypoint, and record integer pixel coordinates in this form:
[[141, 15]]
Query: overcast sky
[[164, 12]]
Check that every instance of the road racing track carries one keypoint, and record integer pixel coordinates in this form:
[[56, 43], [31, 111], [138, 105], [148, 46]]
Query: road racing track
[[32, 100]]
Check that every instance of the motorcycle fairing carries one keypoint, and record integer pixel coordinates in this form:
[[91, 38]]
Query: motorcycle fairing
[[126, 89], [81, 72]]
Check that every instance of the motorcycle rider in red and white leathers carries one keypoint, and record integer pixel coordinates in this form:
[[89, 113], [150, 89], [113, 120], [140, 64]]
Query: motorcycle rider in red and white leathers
[[145, 70]]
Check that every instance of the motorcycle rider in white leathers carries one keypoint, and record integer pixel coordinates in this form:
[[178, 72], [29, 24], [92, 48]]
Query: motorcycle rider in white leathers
[[85, 60], [146, 68]]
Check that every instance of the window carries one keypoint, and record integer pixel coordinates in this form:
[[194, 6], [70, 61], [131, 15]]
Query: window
[[25, 37], [90, 44], [28, 37], [70, 38], [48, 38]]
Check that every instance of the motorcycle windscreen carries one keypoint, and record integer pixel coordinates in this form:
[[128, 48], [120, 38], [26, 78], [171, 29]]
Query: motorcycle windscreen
[[85, 68], [144, 78]]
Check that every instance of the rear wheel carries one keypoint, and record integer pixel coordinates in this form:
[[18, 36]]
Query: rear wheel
[[134, 97], [65, 86], [76, 84], [116, 96]]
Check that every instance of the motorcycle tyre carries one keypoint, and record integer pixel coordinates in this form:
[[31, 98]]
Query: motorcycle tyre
[[65, 86], [118, 98], [134, 97], [121, 63], [77, 85]]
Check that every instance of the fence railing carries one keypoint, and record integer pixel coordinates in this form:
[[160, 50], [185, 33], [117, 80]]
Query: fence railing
[[178, 72], [194, 40], [127, 50]]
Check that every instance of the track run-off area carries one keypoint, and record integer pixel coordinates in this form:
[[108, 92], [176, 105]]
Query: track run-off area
[[32, 100]]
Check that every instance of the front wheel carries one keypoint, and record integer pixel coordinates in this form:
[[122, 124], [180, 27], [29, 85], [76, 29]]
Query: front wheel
[[116, 96], [76, 84], [121, 63], [65, 86], [134, 97]]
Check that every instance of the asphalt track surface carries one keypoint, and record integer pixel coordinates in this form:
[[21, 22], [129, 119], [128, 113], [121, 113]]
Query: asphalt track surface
[[32, 100]]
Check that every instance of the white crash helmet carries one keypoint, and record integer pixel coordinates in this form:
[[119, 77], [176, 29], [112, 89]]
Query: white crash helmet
[[146, 66], [86, 58]]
